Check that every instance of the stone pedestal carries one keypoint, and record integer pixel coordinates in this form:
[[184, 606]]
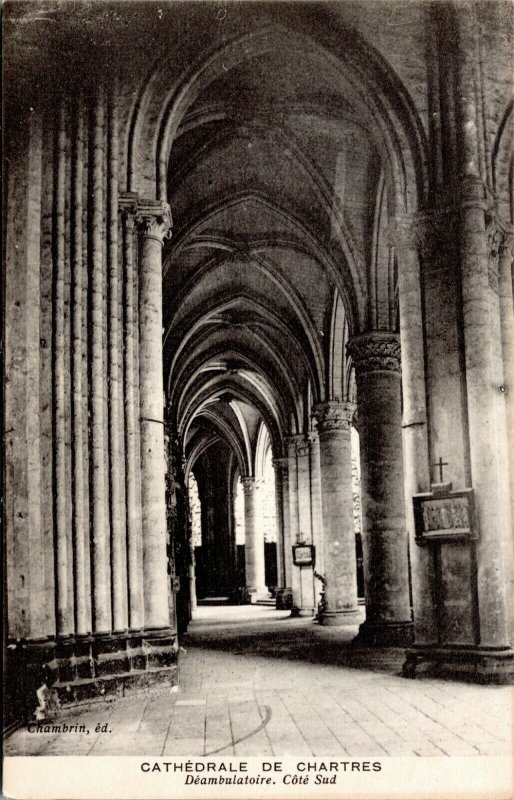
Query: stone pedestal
[[75, 670], [254, 545], [340, 567], [376, 357]]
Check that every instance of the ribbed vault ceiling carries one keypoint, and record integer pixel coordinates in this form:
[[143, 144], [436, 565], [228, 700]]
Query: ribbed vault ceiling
[[273, 180]]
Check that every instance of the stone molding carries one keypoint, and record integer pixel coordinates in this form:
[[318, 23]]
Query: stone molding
[[334, 415], [474, 193], [377, 351], [426, 231]]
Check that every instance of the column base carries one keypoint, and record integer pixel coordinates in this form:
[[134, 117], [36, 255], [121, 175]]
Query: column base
[[258, 595], [340, 618], [77, 670], [474, 663], [303, 612], [30, 665], [284, 599], [385, 634]]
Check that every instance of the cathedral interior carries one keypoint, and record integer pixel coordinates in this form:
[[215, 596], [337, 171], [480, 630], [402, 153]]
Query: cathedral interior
[[259, 333]]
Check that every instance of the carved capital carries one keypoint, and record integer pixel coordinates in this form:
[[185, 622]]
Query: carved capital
[[249, 485], [127, 206], [298, 445], [280, 464], [378, 351], [152, 216], [334, 416], [154, 220]]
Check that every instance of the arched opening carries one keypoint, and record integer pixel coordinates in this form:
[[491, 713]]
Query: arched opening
[[267, 346], [218, 510]]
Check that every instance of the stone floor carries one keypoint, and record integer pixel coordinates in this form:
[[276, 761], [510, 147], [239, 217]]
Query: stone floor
[[253, 681]]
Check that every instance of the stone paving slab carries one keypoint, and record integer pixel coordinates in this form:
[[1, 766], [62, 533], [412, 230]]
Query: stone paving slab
[[254, 681]]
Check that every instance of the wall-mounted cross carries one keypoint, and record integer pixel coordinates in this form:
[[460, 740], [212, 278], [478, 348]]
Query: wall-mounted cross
[[440, 464]]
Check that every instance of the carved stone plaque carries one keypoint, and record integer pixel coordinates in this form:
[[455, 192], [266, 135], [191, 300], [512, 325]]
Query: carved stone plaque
[[304, 555], [442, 517]]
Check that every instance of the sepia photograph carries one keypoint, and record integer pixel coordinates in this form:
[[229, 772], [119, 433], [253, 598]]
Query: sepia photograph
[[258, 343]]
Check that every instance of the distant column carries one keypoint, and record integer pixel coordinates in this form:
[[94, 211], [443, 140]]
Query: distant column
[[302, 580], [254, 543], [316, 510], [283, 464], [279, 504]]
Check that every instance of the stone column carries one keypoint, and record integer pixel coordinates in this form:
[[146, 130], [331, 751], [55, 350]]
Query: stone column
[[231, 532], [156, 222], [286, 519], [99, 489], [28, 603], [409, 235], [115, 388], [79, 520], [506, 255], [316, 509], [376, 357], [132, 459], [486, 419], [254, 543], [62, 559], [279, 504], [302, 579], [340, 563], [484, 367]]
